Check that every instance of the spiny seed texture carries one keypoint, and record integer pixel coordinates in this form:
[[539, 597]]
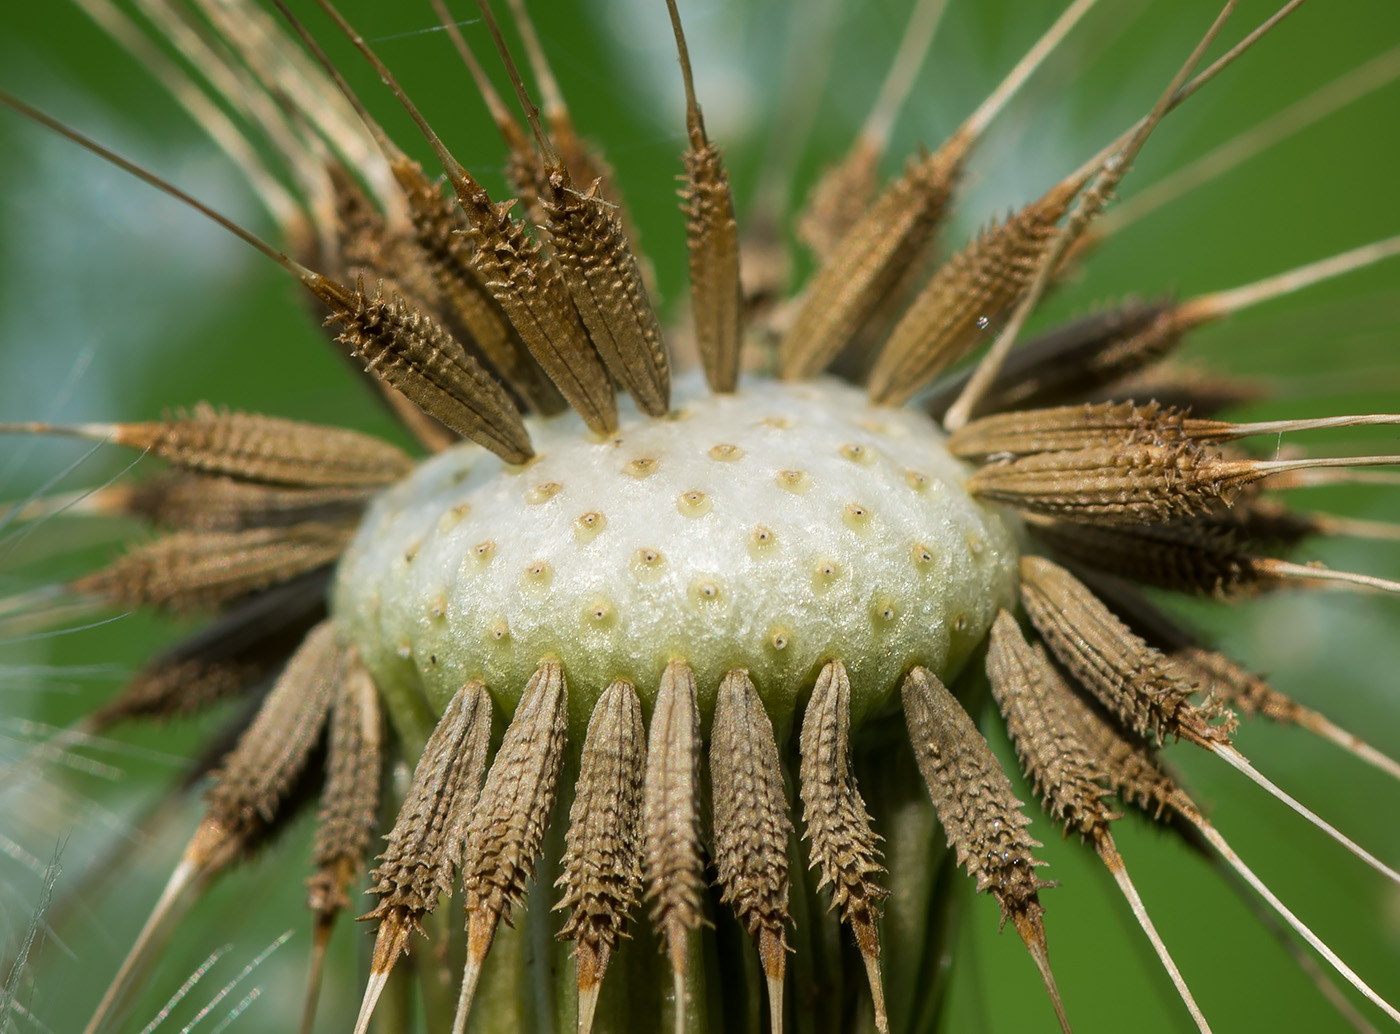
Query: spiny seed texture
[[771, 530]]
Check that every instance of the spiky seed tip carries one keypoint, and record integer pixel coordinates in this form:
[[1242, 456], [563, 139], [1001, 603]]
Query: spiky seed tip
[[348, 814], [415, 354], [838, 826], [1115, 424], [601, 869], [370, 251], [1062, 767], [195, 570], [712, 241], [1070, 427], [751, 824], [1137, 483], [606, 284], [252, 447], [424, 847], [530, 290], [1134, 680], [506, 833], [255, 777], [1130, 767], [470, 759], [245, 801], [526, 284], [983, 820], [442, 231], [672, 859], [978, 284], [974, 799]]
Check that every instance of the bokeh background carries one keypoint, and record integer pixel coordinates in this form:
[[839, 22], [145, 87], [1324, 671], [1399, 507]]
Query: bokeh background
[[118, 304]]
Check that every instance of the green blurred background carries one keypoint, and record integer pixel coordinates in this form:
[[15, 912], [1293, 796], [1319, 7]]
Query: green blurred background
[[119, 304]]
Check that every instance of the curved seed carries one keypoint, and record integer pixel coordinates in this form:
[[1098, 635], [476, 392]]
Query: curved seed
[[979, 811]]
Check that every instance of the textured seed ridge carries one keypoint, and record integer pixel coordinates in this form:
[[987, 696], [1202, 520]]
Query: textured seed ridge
[[686, 536]]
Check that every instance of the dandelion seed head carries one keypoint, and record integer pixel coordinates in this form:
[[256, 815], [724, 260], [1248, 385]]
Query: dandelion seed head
[[731, 535]]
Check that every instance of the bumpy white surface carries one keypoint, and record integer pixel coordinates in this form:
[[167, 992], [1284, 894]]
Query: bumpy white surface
[[773, 530]]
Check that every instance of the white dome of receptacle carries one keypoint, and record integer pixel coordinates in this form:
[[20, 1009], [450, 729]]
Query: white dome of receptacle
[[773, 529]]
